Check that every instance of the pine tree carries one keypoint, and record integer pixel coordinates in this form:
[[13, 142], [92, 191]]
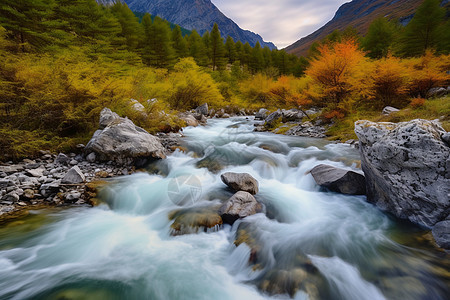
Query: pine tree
[[179, 43], [230, 49], [379, 38], [217, 49], [158, 51], [29, 22], [129, 23], [197, 49], [423, 33], [206, 39], [257, 59], [146, 43]]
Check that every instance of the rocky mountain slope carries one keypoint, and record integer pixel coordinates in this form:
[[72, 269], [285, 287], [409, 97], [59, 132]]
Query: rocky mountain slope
[[358, 14], [195, 14]]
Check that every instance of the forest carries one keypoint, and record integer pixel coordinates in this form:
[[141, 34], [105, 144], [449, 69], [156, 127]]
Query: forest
[[62, 61]]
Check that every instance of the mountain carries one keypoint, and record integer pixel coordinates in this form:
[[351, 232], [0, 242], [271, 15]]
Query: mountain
[[359, 14], [195, 14]]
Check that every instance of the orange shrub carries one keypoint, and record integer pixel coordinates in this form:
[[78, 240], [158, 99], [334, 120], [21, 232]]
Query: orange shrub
[[417, 102]]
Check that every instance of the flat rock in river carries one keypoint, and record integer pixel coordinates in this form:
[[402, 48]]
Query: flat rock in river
[[240, 182], [240, 205], [339, 180]]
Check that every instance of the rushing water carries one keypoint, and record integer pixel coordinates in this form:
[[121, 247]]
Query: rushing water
[[308, 243]]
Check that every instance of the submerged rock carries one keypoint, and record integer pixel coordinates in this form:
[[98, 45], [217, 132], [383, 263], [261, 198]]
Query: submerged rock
[[407, 168], [240, 205], [193, 220], [123, 142], [339, 180], [240, 182]]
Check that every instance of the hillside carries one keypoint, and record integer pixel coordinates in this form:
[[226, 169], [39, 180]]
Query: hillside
[[358, 14], [195, 14]]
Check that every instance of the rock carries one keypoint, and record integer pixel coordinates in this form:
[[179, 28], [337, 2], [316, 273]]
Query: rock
[[5, 183], [292, 115], [261, 114], [240, 205], [73, 162], [11, 197], [137, 106], [107, 117], [240, 182], [446, 138], [11, 169], [272, 118], [62, 159], [307, 129], [51, 188], [193, 220], [407, 168], [388, 110], [189, 119], [91, 157], [202, 109], [437, 92], [441, 234], [123, 142], [73, 176], [73, 196], [225, 116], [36, 172], [28, 193], [339, 180]]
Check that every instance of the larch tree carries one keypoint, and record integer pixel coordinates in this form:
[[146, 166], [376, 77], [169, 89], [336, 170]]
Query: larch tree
[[379, 38], [179, 43], [217, 49]]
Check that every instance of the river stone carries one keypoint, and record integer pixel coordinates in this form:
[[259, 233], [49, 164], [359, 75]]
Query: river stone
[[292, 115], [90, 157], [240, 205], [339, 180], [73, 176], [240, 182], [123, 142], [407, 168], [202, 109], [11, 197], [73, 196], [441, 234], [62, 159], [388, 110], [36, 172], [106, 117], [261, 114], [272, 118]]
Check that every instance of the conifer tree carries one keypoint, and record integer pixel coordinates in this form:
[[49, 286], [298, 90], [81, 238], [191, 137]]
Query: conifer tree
[[28, 21], [257, 59], [422, 32], [129, 23], [230, 49], [206, 39], [217, 49], [159, 50], [179, 43], [197, 49], [379, 38]]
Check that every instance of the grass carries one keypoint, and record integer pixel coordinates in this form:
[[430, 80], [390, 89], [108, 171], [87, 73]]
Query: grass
[[438, 108]]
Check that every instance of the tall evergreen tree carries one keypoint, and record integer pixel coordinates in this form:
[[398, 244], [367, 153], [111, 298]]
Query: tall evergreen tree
[[179, 43], [257, 59], [217, 49], [230, 50], [29, 22], [379, 38], [197, 49], [159, 49], [423, 33], [206, 39], [131, 30]]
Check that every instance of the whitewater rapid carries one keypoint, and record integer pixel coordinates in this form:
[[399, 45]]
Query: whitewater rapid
[[123, 249]]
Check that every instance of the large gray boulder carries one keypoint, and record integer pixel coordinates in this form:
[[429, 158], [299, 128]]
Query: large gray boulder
[[273, 118], [339, 180], [292, 115], [240, 205], [121, 141], [240, 182], [407, 168]]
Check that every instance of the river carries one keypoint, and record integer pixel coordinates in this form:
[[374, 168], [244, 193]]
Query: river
[[307, 244]]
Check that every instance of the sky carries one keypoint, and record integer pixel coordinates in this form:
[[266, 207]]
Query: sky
[[281, 22]]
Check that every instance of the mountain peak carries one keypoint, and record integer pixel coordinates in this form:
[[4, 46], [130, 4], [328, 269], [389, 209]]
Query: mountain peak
[[194, 14]]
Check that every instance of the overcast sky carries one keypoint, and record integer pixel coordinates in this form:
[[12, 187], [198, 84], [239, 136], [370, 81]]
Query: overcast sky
[[280, 21]]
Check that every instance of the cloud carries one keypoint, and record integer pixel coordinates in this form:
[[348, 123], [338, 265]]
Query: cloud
[[283, 21]]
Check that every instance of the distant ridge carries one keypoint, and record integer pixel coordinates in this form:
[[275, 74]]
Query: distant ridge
[[359, 14], [194, 14]]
